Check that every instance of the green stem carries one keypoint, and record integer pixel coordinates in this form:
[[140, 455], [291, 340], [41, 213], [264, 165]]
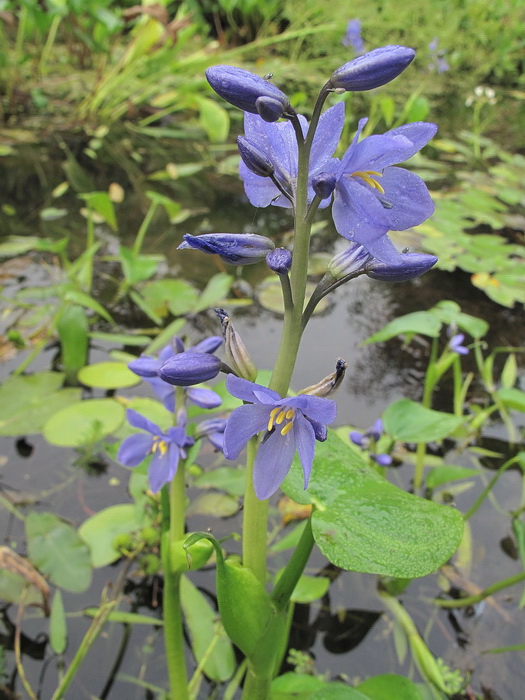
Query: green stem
[[172, 613], [139, 240], [255, 518], [430, 382], [46, 51], [294, 569], [479, 500], [489, 590]]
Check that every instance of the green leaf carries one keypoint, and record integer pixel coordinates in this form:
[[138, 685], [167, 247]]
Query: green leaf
[[301, 686], [364, 523], [78, 297], [449, 313], [138, 268], [55, 547], [389, 686], [102, 204], [177, 296], [448, 472], [58, 624], [409, 421], [99, 531], [203, 626], [108, 375], [126, 618], [512, 398], [310, 588], [220, 505], [26, 402], [214, 119], [226, 479], [509, 373], [84, 423], [72, 327], [216, 290], [171, 207], [121, 338], [422, 322]]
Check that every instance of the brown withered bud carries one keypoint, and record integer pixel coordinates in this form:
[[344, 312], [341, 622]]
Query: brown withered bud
[[330, 384], [236, 352]]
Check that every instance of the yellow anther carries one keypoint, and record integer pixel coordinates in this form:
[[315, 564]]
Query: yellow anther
[[287, 428], [290, 413], [160, 445], [366, 175], [281, 416], [273, 414]]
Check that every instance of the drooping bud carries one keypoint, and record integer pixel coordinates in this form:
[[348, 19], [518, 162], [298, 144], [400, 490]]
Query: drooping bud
[[236, 352], [279, 260], [254, 159], [372, 69], [233, 248], [188, 368], [249, 92], [324, 184], [330, 384], [410, 265], [145, 366]]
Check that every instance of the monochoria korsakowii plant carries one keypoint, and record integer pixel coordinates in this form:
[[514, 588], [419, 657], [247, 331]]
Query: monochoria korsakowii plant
[[285, 162]]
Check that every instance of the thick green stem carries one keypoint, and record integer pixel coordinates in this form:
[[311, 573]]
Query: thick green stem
[[255, 518], [172, 613]]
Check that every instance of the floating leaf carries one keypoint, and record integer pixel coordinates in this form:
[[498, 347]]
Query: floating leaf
[[310, 588], [100, 530], [389, 686], [55, 547], [203, 626], [409, 421], [226, 479], [84, 423], [364, 523], [220, 505], [108, 375], [27, 402]]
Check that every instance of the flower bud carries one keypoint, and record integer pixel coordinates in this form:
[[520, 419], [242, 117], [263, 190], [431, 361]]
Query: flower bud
[[254, 159], [411, 265], [236, 352], [279, 260], [188, 368], [145, 366], [330, 384], [372, 69], [248, 92], [324, 184], [233, 248], [350, 262]]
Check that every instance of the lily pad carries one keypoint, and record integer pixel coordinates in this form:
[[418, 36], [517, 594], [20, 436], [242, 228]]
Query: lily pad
[[108, 375], [27, 402], [55, 547], [363, 523], [100, 530], [84, 423]]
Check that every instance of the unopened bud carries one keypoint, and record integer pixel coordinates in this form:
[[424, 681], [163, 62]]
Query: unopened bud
[[254, 159], [279, 260], [324, 184], [372, 69], [236, 352]]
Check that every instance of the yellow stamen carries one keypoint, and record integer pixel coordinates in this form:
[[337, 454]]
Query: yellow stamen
[[273, 414], [287, 428], [281, 416], [366, 175], [290, 413], [160, 445]]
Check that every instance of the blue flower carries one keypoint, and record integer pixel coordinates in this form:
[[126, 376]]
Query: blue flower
[[148, 367], [353, 36], [213, 429], [456, 344], [233, 248], [290, 425], [369, 439], [372, 197], [277, 142], [166, 448]]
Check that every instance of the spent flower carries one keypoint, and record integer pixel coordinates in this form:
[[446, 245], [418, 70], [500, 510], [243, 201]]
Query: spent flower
[[233, 248]]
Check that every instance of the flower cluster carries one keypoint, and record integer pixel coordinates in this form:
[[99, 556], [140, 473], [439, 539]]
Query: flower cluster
[[368, 441]]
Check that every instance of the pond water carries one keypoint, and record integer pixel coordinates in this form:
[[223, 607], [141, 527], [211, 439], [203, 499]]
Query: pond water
[[348, 633]]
